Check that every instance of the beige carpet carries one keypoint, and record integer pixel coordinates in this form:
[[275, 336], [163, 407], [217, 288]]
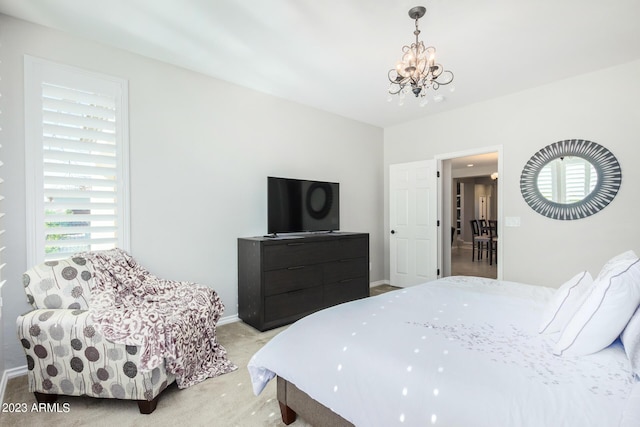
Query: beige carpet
[[225, 401]]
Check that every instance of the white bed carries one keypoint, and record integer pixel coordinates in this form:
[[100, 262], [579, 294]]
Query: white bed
[[458, 351]]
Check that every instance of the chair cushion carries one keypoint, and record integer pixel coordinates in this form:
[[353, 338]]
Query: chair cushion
[[59, 284]]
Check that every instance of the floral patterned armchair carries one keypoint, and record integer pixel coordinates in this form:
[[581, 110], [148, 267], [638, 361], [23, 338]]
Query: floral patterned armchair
[[67, 354]]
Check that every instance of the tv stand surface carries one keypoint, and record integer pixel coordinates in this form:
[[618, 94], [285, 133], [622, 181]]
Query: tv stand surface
[[284, 278], [299, 235]]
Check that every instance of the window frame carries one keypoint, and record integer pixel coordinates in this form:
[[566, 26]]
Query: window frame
[[37, 71]]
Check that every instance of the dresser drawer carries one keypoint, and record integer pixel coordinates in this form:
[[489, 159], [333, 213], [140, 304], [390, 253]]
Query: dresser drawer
[[345, 269], [350, 248], [297, 254], [292, 303], [348, 290], [292, 279]]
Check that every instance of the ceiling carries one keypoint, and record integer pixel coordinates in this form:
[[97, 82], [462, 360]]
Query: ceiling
[[335, 54], [478, 161]]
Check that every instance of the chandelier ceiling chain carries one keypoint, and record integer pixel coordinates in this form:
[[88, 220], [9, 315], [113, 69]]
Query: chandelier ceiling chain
[[417, 70]]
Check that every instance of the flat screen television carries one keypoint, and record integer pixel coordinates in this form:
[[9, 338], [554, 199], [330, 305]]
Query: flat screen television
[[297, 205]]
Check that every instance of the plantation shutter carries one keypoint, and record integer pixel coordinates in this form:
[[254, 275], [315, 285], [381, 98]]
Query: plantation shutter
[[568, 180], [81, 162], [545, 183], [580, 179], [2, 247]]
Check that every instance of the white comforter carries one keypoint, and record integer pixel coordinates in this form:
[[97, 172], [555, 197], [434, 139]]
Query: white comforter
[[459, 351]]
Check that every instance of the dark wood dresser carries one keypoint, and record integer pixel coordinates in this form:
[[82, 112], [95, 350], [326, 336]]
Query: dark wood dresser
[[283, 279]]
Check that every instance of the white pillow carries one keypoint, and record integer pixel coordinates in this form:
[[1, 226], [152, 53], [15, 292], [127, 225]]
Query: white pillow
[[564, 303], [628, 256], [610, 303], [631, 341]]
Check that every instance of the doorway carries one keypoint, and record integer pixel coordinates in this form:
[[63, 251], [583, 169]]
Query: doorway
[[469, 190]]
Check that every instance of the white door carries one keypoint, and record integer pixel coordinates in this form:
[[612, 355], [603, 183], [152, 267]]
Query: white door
[[413, 223]]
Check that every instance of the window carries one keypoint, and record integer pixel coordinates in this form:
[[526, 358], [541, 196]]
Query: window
[[77, 160], [2, 247]]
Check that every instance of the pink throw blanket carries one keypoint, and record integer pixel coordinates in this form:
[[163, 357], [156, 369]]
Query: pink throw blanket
[[169, 320]]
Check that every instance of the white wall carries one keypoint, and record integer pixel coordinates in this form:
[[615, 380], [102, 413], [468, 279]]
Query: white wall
[[200, 152], [602, 107]]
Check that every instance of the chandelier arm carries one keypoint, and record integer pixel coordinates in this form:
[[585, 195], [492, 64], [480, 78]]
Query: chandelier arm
[[392, 92], [436, 70], [389, 75], [398, 79], [442, 82], [397, 84]]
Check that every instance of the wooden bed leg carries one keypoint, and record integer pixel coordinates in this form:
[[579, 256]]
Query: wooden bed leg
[[288, 414], [148, 406], [45, 398]]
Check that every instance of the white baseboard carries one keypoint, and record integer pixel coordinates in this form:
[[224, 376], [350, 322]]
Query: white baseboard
[[7, 375], [378, 283], [465, 245], [228, 319]]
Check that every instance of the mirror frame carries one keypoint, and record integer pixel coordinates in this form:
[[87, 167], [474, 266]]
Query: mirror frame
[[607, 168]]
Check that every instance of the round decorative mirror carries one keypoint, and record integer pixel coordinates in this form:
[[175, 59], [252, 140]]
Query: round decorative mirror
[[570, 179]]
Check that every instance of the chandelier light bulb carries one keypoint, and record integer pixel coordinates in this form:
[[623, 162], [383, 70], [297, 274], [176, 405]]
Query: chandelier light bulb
[[417, 70]]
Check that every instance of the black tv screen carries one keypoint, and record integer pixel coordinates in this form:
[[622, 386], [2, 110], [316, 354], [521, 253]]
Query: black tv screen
[[296, 205]]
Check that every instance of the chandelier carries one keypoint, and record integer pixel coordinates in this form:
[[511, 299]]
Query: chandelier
[[417, 70]]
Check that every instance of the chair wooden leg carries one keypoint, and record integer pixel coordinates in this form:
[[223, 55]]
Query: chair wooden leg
[[45, 398], [148, 406], [494, 250], [490, 253]]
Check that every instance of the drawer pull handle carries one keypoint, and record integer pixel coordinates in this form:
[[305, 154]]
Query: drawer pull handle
[[298, 267], [295, 244], [346, 280]]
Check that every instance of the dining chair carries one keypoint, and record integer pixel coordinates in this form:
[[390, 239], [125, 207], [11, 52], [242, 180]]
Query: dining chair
[[480, 241], [483, 226], [492, 248]]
